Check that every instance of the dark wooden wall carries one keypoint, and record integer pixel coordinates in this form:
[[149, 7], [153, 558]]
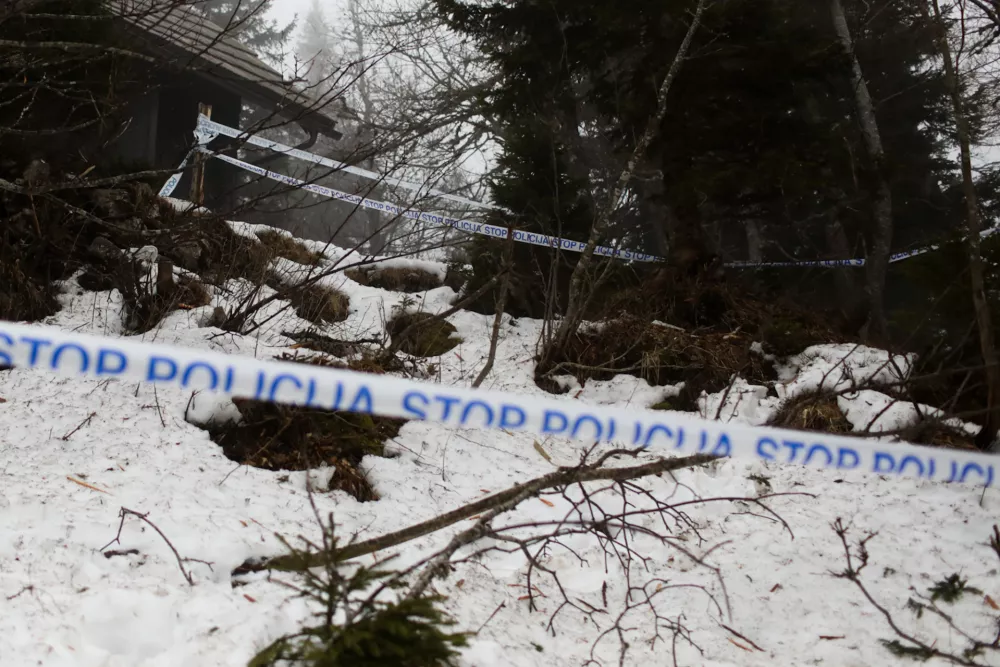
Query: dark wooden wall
[[177, 115]]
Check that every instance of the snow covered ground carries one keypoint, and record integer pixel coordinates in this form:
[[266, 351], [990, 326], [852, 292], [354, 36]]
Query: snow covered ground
[[73, 452]]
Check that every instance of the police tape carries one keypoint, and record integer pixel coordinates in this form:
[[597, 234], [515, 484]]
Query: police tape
[[86, 356], [207, 129], [813, 262], [893, 258], [481, 228], [208, 125], [202, 137], [175, 179]]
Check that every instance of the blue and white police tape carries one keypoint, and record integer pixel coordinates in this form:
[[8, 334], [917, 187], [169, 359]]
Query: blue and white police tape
[[172, 182], [893, 258], [207, 124], [202, 137], [814, 262], [493, 231], [211, 128], [84, 356]]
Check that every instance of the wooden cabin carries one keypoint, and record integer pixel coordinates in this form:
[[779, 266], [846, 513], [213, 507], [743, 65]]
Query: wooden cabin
[[203, 65]]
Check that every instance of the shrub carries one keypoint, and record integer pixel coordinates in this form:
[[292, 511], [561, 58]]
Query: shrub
[[406, 632]]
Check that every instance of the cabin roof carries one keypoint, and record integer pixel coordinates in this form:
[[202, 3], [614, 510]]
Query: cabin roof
[[178, 32]]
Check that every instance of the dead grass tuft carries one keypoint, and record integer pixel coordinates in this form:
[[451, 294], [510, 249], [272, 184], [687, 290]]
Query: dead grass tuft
[[319, 304], [395, 279], [812, 411], [936, 433], [280, 245], [422, 334]]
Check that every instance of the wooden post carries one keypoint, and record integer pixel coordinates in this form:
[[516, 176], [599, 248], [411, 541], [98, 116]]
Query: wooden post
[[198, 173]]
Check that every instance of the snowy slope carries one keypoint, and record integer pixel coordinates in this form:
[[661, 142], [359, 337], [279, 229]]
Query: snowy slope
[[65, 603]]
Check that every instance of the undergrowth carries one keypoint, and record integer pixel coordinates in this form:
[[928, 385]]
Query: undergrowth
[[663, 355], [937, 433], [364, 618]]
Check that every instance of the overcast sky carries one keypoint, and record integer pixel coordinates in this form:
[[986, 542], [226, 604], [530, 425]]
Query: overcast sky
[[285, 10]]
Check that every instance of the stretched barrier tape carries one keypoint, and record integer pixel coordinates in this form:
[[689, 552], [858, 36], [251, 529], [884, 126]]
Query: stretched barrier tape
[[483, 229], [815, 262], [202, 138], [208, 129], [172, 182], [85, 356], [895, 257], [206, 124]]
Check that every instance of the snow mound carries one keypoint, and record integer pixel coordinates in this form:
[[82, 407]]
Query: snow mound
[[72, 452]]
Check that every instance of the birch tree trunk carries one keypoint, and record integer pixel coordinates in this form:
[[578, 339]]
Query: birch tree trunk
[[984, 319], [578, 285], [877, 262]]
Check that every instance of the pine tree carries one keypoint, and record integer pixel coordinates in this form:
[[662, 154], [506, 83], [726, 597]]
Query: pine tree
[[249, 23], [314, 49], [763, 125]]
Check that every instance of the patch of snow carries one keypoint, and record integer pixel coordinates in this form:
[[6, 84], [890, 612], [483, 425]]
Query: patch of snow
[[742, 402], [625, 390], [65, 603], [841, 366]]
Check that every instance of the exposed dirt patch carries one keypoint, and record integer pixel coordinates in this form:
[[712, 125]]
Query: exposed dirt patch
[[813, 411], [421, 335], [395, 279], [280, 245], [278, 437], [366, 362]]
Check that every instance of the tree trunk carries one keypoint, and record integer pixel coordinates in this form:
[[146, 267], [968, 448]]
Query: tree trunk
[[754, 253], [580, 278], [843, 279], [984, 320], [877, 264]]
